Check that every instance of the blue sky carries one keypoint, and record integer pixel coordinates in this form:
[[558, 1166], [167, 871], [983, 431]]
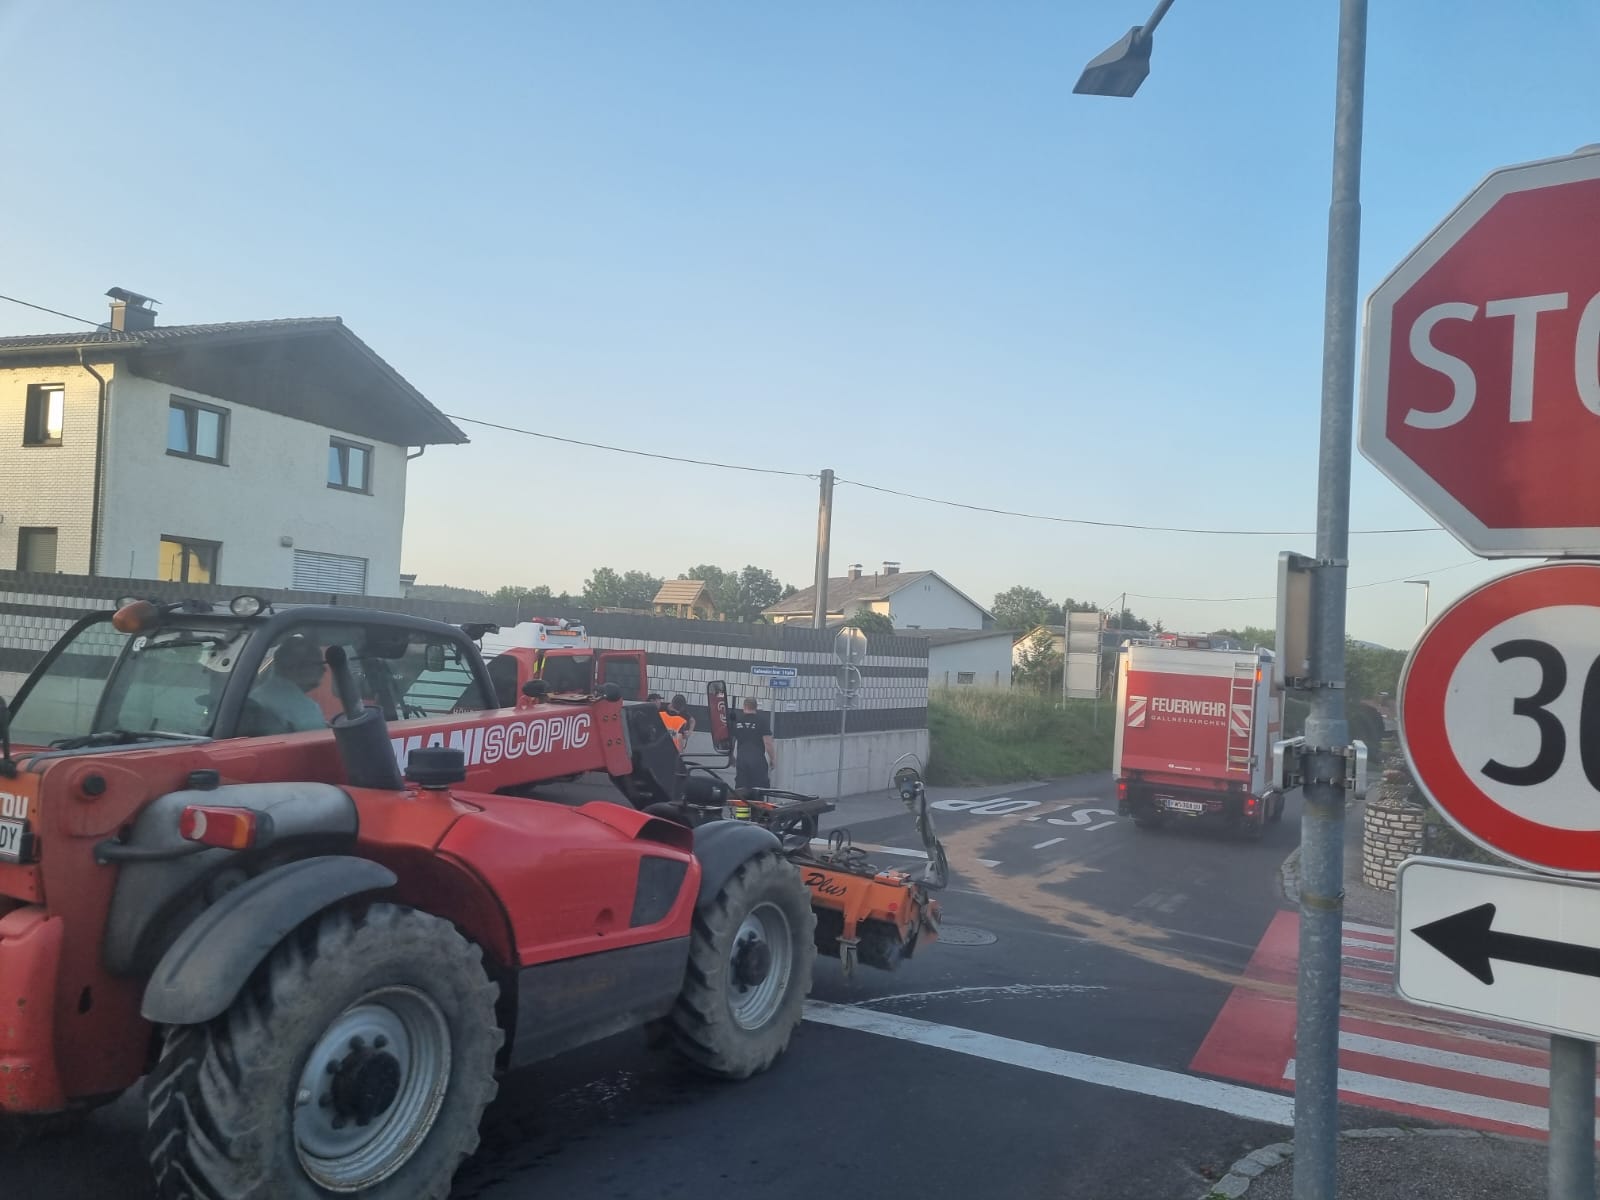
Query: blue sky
[[879, 237]]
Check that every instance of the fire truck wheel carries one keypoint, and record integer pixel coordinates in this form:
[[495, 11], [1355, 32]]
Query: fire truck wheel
[[750, 961], [359, 1058]]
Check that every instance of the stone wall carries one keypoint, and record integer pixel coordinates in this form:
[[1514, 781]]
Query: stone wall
[[1391, 832]]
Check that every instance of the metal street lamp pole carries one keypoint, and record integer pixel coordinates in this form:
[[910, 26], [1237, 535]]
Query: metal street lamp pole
[[1119, 72]]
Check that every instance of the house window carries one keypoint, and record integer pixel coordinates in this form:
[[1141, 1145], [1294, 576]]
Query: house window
[[36, 550], [196, 430], [349, 466], [46, 412], [187, 560], [965, 676], [315, 571]]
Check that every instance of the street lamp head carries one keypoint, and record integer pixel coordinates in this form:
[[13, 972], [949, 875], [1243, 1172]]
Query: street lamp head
[[1121, 69], [1423, 582]]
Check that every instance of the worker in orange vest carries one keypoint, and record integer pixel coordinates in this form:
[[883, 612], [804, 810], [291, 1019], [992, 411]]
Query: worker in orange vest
[[674, 723]]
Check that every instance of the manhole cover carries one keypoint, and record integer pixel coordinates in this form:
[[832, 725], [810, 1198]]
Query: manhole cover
[[965, 935]]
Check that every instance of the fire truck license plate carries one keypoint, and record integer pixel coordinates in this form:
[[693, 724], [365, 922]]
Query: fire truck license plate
[[11, 840], [1184, 806]]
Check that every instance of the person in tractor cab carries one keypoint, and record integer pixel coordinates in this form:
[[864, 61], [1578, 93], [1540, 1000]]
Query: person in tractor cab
[[674, 723], [754, 755], [680, 706], [279, 699]]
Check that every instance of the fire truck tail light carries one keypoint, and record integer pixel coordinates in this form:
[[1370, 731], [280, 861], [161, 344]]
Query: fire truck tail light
[[229, 828]]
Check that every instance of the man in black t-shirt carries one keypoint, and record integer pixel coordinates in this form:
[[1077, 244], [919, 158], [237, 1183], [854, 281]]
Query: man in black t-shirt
[[753, 753]]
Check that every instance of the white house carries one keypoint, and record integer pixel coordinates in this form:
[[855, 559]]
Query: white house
[[911, 599], [258, 453], [968, 657]]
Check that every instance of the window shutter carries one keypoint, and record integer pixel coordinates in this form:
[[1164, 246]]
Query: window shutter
[[338, 573]]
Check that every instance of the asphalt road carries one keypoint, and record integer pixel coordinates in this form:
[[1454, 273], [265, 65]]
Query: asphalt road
[[1113, 945]]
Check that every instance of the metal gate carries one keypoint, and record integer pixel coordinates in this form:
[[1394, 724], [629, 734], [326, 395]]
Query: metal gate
[[338, 573]]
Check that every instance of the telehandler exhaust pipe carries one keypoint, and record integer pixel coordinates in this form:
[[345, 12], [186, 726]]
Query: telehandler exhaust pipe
[[361, 732]]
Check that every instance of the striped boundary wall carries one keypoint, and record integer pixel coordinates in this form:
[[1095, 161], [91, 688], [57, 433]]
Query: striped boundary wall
[[682, 656]]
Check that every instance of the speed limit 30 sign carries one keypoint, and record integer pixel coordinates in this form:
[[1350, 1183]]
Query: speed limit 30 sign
[[1500, 716]]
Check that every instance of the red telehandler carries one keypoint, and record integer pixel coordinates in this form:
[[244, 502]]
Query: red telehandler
[[286, 865]]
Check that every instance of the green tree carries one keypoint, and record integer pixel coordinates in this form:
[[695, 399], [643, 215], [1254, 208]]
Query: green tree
[[1126, 620], [1249, 636], [740, 595], [1024, 607], [871, 622], [630, 589], [523, 596], [1038, 663], [442, 591], [758, 589], [1370, 670], [716, 581]]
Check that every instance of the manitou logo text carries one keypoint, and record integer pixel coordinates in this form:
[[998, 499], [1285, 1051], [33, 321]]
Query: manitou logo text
[[484, 745], [13, 806]]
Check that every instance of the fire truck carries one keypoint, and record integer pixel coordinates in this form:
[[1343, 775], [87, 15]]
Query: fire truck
[[558, 653], [1197, 721]]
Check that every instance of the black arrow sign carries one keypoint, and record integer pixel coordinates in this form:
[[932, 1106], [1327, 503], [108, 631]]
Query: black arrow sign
[[1467, 940]]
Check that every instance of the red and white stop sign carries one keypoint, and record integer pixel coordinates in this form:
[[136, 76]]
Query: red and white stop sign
[[1480, 389]]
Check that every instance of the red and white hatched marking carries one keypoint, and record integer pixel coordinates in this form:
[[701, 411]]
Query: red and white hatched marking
[[1392, 1055]]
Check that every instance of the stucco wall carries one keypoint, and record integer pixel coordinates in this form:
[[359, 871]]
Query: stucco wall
[[989, 660], [49, 486], [929, 604], [273, 484]]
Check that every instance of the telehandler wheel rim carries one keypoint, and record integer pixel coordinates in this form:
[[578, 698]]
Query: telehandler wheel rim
[[371, 1089], [759, 964]]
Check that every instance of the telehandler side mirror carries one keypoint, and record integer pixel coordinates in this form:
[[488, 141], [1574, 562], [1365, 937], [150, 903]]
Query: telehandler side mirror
[[717, 704]]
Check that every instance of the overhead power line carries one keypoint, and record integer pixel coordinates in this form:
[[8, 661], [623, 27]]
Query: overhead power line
[[871, 487], [1027, 516], [571, 441], [53, 312]]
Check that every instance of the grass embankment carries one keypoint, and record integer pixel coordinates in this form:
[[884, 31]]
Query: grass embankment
[[991, 736]]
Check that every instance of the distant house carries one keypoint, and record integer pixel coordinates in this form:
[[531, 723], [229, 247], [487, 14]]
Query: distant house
[[967, 657], [257, 453], [911, 599], [687, 598]]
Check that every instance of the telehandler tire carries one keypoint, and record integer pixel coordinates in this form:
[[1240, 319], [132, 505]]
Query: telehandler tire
[[359, 1058], [750, 961]]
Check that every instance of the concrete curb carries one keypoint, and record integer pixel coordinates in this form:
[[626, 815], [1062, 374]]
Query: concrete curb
[[1243, 1173]]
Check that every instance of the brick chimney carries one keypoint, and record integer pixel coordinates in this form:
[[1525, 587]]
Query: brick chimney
[[891, 568], [855, 571], [131, 312]]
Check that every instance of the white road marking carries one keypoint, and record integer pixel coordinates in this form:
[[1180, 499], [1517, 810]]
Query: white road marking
[[1383, 930], [1250, 1103], [1048, 842], [985, 992], [1083, 816], [1364, 944], [896, 850], [1449, 1060], [1486, 1108]]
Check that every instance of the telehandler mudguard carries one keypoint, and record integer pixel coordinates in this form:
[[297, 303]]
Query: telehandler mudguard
[[722, 848], [203, 970]]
